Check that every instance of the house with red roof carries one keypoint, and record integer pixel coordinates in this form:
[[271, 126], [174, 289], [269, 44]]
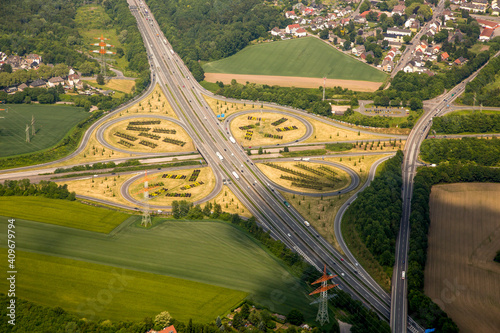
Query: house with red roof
[[291, 15], [290, 29], [486, 34], [444, 55], [300, 32]]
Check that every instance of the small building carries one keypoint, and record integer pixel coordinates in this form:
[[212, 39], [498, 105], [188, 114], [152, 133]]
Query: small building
[[55, 81], [460, 61], [275, 31], [22, 86], [38, 83], [301, 32], [290, 29], [486, 34], [339, 110], [399, 32], [444, 56]]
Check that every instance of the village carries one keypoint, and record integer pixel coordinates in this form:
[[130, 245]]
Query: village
[[378, 32]]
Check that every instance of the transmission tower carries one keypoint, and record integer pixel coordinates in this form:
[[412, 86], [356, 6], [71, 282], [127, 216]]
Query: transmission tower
[[322, 316], [102, 51], [146, 213], [324, 84]]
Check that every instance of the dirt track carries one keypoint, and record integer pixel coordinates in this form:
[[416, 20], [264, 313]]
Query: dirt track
[[293, 81], [464, 236]]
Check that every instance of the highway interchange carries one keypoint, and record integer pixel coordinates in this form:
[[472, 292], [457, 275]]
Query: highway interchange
[[257, 193]]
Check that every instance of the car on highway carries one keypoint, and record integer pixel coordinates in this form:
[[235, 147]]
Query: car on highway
[[289, 235], [341, 259]]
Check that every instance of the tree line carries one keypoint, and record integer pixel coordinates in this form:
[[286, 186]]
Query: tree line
[[376, 213], [28, 95], [466, 150], [45, 188], [476, 122], [421, 307]]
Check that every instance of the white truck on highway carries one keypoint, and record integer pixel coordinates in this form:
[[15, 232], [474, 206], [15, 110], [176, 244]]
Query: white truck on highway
[[306, 159], [236, 175], [232, 139], [172, 51], [307, 223], [219, 156], [403, 275]]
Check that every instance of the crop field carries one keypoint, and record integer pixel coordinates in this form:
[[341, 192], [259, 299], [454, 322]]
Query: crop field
[[248, 130], [66, 213], [213, 253], [71, 284], [170, 183], [52, 123], [127, 135], [329, 179], [306, 57], [464, 236]]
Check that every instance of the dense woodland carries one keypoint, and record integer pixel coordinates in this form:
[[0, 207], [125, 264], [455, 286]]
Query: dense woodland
[[476, 122], [376, 213], [479, 151], [214, 29], [421, 307], [44, 188], [479, 90]]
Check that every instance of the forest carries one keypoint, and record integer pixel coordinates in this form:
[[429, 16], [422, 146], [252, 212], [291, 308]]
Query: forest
[[214, 29], [421, 307], [476, 122], [466, 150], [44, 188], [376, 213]]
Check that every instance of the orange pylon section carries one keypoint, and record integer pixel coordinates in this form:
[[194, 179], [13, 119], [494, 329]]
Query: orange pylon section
[[325, 277], [102, 46], [323, 288]]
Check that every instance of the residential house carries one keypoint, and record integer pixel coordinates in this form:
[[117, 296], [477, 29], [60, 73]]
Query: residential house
[[436, 49], [488, 24], [480, 2], [398, 9], [290, 29], [460, 61], [33, 58], [10, 90], [486, 34], [409, 67], [359, 19], [307, 11], [14, 61], [435, 26], [38, 83], [73, 79], [291, 15], [444, 56], [22, 86], [473, 8], [387, 65], [457, 36], [393, 38], [448, 15], [358, 50], [344, 21], [495, 7], [399, 32], [365, 54], [55, 81], [275, 31], [301, 32]]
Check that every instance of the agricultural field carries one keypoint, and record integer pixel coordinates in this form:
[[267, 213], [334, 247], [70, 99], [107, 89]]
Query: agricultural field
[[259, 129], [460, 274], [206, 252], [306, 177], [190, 185], [328, 133], [52, 123], [123, 86], [66, 213], [230, 203], [306, 57], [70, 284], [148, 135], [103, 188]]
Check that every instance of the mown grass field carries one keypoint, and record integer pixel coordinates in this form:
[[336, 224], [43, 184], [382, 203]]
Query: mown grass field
[[305, 57], [464, 236], [66, 213], [73, 284], [213, 253], [52, 123]]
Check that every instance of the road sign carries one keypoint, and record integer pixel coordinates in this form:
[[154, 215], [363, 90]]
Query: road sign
[[223, 115]]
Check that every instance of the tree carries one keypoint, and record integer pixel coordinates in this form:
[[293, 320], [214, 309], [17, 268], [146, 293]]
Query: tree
[[323, 34], [162, 319], [7, 68], [364, 6], [369, 59], [415, 103], [260, 151], [100, 79], [218, 321], [175, 210], [245, 311], [347, 45], [286, 150], [295, 317], [237, 321], [407, 39]]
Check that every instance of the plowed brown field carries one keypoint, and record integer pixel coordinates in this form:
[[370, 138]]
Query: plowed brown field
[[293, 81], [464, 236]]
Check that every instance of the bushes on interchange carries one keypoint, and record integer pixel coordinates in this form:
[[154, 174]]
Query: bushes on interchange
[[421, 307], [476, 122], [376, 213]]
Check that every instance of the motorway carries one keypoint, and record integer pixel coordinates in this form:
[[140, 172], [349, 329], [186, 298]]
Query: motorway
[[284, 223]]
